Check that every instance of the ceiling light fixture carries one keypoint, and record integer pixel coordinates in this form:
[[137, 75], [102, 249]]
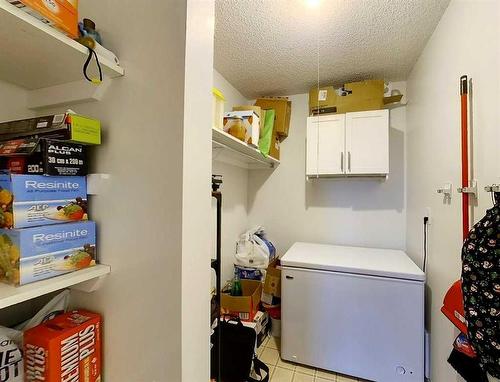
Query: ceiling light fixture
[[313, 3]]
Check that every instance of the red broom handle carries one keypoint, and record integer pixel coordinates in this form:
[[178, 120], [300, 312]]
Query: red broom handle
[[465, 156]]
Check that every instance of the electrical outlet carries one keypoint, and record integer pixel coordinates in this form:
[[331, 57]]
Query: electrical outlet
[[427, 213]]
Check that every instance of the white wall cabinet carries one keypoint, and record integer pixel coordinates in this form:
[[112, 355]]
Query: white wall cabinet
[[352, 144]]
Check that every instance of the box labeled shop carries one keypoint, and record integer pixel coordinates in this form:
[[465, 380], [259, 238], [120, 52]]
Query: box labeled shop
[[245, 306], [41, 156], [66, 348], [65, 127], [33, 200], [37, 253], [60, 14]]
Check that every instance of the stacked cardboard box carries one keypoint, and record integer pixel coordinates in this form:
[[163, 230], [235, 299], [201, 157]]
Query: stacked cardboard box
[[352, 97], [44, 227], [282, 108]]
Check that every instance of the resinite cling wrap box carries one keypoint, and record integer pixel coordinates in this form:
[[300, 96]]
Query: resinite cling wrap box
[[37, 253], [66, 349], [34, 200]]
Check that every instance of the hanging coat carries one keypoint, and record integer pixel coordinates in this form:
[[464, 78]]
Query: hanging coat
[[481, 288]]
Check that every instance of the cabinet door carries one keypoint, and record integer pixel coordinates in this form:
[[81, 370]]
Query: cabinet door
[[367, 142], [325, 144], [312, 147]]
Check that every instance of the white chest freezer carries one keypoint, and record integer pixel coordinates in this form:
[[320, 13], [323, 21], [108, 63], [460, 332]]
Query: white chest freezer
[[355, 311]]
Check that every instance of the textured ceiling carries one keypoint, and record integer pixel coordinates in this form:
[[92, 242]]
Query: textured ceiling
[[269, 47]]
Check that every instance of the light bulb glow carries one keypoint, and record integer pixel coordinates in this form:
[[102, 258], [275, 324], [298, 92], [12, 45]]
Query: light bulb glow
[[313, 3]]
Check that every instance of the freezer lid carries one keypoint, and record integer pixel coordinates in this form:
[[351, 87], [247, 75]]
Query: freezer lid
[[358, 260]]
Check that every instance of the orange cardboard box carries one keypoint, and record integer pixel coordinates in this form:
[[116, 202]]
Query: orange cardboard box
[[66, 349], [61, 14]]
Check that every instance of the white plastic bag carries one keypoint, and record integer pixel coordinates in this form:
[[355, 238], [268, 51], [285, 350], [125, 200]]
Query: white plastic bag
[[252, 251], [11, 340]]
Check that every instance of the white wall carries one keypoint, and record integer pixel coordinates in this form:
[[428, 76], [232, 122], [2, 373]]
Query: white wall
[[466, 41], [196, 198], [363, 212], [234, 189], [152, 218], [12, 102]]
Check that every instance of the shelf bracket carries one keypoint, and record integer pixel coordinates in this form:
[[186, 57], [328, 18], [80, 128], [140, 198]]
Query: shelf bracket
[[472, 189], [446, 190], [89, 286]]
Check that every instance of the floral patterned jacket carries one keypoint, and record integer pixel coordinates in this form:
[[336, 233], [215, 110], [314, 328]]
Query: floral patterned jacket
[[481, 289]]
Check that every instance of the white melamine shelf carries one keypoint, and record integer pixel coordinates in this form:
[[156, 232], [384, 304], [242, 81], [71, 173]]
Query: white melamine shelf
[[86, 280], [229, 149], [35, 55]]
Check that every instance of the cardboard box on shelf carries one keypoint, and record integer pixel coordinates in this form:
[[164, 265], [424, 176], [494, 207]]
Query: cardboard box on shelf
[[251, 122], [271, 292], [33, 200], [39, 156], [66, 348], [60, 14], [322, 98], [257, 109], [361, 96], [37, 253], [245, 306], [274, 150], [66, 127], [283, 109]]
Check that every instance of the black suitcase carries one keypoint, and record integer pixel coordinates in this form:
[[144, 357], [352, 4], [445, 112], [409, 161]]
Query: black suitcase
[[237, 353]]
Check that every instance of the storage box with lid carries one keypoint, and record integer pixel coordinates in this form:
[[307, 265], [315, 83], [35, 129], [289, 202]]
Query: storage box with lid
[[218, 109]]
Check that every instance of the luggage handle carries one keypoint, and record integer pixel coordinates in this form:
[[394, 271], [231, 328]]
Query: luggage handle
[[233, 318], [258, 366]]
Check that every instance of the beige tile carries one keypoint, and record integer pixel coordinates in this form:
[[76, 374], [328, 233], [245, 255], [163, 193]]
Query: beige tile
[[285, 364], [303, 369], [274, 343], [282, 375], [298, 377], [319, 379], [271, 371], [269, 356], [346, 378], [264, 342], [328, 375]]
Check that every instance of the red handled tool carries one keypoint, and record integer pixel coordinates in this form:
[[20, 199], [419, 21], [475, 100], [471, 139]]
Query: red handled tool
[[453, 304]]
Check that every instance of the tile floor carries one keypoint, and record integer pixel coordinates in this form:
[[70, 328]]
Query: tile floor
[[282, 371]]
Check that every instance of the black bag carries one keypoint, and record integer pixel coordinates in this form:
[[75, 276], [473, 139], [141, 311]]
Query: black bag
[[237, 353]]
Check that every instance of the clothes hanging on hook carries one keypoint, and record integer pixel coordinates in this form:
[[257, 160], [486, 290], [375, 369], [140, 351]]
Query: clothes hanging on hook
[[481, 288]]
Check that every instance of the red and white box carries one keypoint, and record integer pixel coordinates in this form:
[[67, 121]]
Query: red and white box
[[66, 349]]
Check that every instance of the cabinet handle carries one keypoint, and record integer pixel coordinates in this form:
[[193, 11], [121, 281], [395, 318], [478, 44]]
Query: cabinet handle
[[289, 277], [349, 160], [342, 162]]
